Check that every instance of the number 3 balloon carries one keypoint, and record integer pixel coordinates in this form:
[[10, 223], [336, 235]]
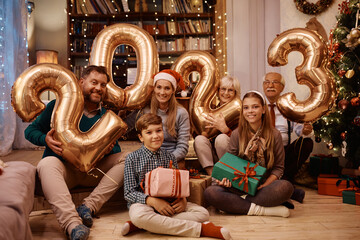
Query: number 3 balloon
[[82, 149], [313, 72]]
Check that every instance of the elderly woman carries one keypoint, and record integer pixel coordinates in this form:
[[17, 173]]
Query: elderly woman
[[210, 150]]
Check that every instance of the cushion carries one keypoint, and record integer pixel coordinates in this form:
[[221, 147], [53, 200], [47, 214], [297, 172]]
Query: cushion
[[17, 184]]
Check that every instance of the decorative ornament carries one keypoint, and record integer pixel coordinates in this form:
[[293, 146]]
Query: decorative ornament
[[343, 135], [317, 139], [341, 72], [330, 145], [343, 148], [355, 101], [350, 73], [343, 104], [344, 7], [356, 121], [312, 8], [353, 38], [334, 53]]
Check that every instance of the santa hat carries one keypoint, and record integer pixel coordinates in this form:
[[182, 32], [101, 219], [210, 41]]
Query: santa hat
[[172, 76]]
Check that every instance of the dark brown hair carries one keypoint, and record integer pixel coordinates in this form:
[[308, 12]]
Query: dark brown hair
[[146, 120], [100, 69], [267, 132]]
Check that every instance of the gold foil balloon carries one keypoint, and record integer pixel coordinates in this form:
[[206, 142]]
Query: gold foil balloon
[[200, 103], [102, 53], [312, 72], [82, 149]]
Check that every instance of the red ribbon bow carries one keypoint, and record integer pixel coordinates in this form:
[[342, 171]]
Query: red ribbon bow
[[352, 188], [244, 177]]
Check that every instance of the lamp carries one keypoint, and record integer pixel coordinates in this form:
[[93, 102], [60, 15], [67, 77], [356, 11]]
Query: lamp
[[46, 56]]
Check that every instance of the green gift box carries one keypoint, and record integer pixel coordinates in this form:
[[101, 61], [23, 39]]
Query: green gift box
[[349, 196], [323, 164], [243, 174]]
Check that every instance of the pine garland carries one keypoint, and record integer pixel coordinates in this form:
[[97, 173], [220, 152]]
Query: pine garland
[[312, 8]]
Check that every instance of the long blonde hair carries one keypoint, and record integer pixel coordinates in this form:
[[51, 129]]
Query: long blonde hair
[[267, 132], [171, 112]]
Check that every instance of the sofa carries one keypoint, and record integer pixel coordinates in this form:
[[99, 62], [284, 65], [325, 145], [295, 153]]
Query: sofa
[[17, 183]]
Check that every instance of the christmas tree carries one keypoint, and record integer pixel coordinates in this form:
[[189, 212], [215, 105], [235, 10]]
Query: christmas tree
[[340, 129]]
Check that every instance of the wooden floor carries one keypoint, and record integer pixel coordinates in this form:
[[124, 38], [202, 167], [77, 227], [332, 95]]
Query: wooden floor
[[319, 217]]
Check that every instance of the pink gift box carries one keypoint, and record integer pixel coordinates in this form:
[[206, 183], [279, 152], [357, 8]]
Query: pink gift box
[[167, 182]]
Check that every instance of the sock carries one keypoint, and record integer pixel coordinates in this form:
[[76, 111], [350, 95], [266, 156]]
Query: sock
[[80, 232], [288, 204], [208, 229], [128, 227], [298, 195], [278, 211]]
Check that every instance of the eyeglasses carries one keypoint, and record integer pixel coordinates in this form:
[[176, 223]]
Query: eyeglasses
[[230, 90], [271, 82]]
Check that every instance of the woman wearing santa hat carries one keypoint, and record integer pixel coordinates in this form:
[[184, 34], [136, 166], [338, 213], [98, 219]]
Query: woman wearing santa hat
[[174, 116]]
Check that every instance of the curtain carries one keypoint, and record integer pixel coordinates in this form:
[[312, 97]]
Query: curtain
[[251, 27], [13, 61]]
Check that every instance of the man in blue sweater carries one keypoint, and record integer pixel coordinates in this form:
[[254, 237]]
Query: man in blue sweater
[[58, 176]]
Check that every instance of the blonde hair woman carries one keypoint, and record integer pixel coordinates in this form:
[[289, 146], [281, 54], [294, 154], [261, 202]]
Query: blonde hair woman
[[175, 118]]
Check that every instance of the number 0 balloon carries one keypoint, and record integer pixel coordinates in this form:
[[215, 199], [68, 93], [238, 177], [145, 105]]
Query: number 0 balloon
[[312, 72], [102, 54]]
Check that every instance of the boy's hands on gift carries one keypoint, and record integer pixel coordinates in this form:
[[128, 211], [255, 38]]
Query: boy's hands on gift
[[224, 182], [161, 206], [179, 205]]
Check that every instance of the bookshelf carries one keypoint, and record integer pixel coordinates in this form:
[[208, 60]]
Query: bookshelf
[[175, 25]]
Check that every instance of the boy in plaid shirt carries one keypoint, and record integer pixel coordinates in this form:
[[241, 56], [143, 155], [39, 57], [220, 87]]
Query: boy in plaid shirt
[[153, 214]]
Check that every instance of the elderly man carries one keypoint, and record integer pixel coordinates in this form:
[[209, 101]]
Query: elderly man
[[298, 150]]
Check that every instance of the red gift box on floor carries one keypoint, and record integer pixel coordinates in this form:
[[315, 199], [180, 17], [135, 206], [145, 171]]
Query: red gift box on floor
[[167, 182], [357, 198], [327, 185]]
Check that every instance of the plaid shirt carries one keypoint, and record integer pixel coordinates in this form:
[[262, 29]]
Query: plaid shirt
[[137, 164]]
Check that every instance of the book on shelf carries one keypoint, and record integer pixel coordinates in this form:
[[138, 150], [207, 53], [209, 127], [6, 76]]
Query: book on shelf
[[191, 26], [198, 43], [162, 27], [150, 26], [102, 6], [110, 6], [117, 6], [89, 28], [196, 8], [95, 7], [131, 76], [125, 5], [182, 6], [171, 27]]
